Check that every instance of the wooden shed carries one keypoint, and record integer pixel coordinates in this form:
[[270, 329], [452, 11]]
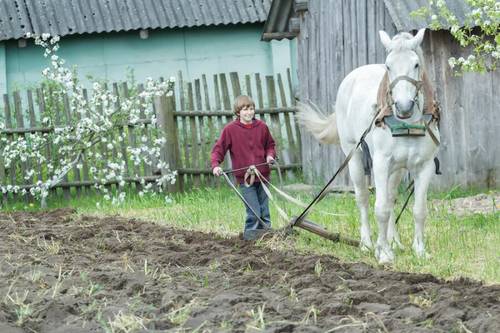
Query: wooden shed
[[336, 36]]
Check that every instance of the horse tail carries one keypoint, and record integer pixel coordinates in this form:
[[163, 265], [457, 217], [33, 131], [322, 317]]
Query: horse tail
[[322, 127]]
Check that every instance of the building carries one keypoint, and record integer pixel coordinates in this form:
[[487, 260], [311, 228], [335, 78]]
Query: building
[[152, 38], [336, 36]]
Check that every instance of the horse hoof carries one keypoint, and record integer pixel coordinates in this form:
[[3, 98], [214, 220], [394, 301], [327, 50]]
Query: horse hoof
[[384, 256], [366, 244], [386, 260]]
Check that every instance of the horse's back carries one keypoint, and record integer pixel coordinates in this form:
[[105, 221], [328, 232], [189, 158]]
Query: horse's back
[[355, 99]]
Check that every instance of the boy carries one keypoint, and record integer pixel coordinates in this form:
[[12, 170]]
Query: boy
[[249, 143]]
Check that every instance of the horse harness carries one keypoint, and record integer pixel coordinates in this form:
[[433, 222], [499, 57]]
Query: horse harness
[[385, 116], [399, 128], [382, 117], [385, 105]]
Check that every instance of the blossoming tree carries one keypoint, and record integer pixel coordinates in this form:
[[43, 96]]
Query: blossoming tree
[[101, 119], [480, 32]]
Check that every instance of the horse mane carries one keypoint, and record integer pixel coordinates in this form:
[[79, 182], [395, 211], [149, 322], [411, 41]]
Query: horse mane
[[401, 42]]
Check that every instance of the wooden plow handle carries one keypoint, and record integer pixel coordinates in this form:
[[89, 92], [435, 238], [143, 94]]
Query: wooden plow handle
[[320, 231]]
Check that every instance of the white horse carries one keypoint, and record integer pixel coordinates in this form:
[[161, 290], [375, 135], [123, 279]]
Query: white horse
[[354, 111]]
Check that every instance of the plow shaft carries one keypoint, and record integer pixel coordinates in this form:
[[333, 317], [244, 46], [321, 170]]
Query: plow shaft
[[320, 231]]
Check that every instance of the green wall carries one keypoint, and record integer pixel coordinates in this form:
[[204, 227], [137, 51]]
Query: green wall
[[3, 69], [194, 51]]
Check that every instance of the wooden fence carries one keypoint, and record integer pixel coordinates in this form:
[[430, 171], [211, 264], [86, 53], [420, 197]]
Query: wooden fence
[[192, 120], [200, 117]]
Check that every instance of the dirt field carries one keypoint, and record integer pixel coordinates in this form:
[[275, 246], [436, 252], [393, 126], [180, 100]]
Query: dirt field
[[63, 273]]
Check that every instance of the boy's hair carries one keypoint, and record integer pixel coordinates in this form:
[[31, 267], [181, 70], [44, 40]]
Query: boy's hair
[[240, 102]]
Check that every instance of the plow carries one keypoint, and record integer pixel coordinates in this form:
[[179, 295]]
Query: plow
[[295, 222], [301, 221]]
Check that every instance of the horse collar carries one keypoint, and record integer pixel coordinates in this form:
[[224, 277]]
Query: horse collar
[[401, 128]]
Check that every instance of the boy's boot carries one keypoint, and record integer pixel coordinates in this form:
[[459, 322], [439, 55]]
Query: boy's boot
[[253, 234]]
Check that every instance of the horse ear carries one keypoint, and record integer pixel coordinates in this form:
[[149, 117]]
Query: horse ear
[[385, 39], [417, 40]]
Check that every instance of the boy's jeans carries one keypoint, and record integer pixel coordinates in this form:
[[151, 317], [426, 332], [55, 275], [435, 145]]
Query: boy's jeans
[[258, 200]]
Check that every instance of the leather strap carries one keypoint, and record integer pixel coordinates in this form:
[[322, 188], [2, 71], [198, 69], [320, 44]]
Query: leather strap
[[431, 133]]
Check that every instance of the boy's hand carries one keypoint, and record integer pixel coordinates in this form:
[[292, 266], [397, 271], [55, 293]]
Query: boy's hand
[[270, 159], [217, 171]]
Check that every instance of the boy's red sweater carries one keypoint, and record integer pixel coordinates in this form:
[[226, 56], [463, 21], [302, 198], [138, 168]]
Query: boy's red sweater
[[247, 145]]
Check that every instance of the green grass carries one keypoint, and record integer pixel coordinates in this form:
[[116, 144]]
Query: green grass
[[459, 246]]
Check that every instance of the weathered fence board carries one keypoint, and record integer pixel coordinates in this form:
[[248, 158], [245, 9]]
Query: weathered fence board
[[20, 124], [8, 125]]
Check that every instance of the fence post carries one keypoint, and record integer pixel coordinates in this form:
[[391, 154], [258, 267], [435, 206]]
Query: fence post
[[165, 109]]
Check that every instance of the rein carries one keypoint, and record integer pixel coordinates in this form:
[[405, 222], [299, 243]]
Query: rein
[[322, 193], [230, 183], [266, 184], [244, 168]]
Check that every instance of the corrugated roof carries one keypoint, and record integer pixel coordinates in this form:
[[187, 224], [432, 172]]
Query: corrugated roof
[[400, 10], [14, 21], [66, 17]]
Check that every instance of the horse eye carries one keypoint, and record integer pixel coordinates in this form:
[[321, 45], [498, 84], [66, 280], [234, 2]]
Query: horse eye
[[387, 67], [416, 65]]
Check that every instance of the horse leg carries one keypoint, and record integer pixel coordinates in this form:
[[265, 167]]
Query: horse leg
[[422, 180], [358, 178], [383, 251], [392, 231]]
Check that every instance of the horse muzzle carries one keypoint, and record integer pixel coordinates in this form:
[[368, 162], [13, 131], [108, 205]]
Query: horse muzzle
[[404, 110]]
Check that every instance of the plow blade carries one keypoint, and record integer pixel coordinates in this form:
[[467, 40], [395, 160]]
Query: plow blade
[[320, 231]]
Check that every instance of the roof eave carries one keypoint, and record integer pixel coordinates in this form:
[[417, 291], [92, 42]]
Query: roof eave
[[281, 14]]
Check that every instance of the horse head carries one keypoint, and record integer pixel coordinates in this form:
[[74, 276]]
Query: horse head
[[404, 65]]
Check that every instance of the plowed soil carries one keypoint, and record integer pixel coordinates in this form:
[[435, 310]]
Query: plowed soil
[[60, 272]]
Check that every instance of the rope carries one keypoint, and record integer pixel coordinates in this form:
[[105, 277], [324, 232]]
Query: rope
[[292, 199], [281, 212], [244, 168], [323, 192], [230, 183], [251, 174], [412, 183], [412, 186]]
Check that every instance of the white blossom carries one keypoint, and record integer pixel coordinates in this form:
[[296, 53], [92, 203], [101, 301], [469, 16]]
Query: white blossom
[[99, 120]]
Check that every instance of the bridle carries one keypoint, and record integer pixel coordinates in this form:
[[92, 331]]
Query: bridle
[[418, 84]]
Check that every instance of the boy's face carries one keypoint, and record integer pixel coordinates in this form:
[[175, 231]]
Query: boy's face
[[247, 113]]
